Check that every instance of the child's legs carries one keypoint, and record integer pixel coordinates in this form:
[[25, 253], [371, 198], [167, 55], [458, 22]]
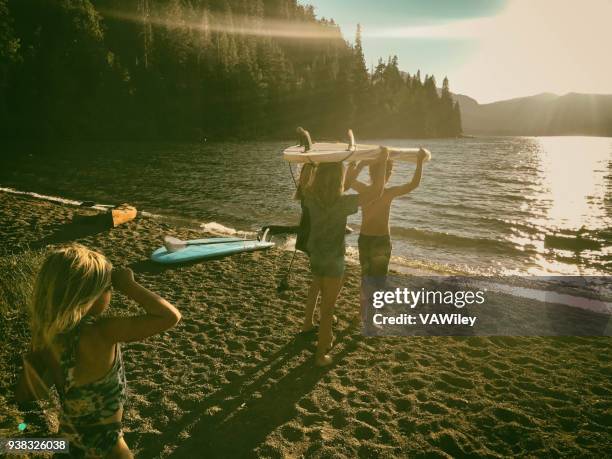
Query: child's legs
[[99, 440], [311, 303], [374, 257], [330, 288], [365, 263], [121, 450], [363, 303]]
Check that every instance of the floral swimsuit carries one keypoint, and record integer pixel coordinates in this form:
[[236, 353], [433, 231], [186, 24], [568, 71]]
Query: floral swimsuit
[[85, 407]]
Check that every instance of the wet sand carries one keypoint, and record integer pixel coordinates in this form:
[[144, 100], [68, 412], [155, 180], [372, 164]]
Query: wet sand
[[233, 379]]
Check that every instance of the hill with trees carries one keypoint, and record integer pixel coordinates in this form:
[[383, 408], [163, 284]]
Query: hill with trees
[[190, 69]]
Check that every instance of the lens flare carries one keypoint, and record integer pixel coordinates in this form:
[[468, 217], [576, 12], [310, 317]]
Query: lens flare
[[236, 25]]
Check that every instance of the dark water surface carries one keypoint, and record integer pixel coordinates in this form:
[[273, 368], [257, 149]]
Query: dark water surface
[[484, 205]]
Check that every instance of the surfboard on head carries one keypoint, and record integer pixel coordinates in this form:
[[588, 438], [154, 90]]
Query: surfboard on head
[[332, 152]]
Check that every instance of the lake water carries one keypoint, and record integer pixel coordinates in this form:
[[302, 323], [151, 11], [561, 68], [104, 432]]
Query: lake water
[[484, 205]]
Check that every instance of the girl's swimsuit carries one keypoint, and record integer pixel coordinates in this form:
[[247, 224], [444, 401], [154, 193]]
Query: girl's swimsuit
[[85, 407], [326, 245]]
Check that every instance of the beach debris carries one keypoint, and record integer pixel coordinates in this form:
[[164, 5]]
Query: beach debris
[[123, 213], [107, 218]]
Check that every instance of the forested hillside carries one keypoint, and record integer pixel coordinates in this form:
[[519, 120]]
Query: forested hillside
[[193, 69]]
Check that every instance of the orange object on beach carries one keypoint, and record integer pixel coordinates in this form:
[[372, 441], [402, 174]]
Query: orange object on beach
[[123, 213], [110, 217]]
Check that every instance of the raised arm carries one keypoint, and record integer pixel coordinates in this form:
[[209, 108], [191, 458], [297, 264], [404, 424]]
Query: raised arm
[[306, 173], [374, 191], [378, 181], [160, 314], [352, 172], [400, 190]]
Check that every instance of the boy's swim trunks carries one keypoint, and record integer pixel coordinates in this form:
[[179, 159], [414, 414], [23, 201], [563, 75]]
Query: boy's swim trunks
[[374, 254]]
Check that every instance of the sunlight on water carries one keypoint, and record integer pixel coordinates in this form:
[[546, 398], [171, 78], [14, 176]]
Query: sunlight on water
[[489, 205], [571, 197], [572, 178], [485, 205]]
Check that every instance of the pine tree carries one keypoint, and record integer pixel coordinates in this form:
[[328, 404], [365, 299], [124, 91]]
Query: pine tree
[[456, 120], [360, 82], [9, 54], [183, 69]]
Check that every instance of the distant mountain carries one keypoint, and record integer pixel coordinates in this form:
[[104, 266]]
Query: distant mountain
[[542, 114]]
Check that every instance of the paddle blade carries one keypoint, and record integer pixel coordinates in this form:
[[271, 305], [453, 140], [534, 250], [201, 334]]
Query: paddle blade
[[173, 244]]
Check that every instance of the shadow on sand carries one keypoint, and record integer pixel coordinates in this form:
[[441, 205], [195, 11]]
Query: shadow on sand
[[70, 232], [237, 418]]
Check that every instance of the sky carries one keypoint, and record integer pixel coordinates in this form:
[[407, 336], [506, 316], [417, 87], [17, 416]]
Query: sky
[[489, 49]]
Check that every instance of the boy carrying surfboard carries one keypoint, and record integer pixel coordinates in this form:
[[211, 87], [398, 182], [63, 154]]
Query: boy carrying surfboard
[[375, 239]]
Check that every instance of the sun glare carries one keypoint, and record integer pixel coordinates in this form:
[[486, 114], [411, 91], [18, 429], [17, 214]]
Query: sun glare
[[572, 181], [237, 25], [540, 46]]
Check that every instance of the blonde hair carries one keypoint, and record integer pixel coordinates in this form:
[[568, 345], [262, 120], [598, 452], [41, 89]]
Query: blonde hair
[[375, 167], [306, 175], [327, 185], [70, 280]]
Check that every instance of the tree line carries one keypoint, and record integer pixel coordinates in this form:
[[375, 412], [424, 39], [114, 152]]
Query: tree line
[[194, 69]]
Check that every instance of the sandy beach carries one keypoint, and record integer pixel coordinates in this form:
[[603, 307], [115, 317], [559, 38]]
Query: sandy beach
[[234, 379]]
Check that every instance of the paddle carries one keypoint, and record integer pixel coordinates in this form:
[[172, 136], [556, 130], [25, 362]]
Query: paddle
[[94, 204], [173, 244]]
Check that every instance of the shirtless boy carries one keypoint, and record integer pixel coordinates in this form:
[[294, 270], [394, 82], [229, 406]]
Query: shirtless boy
[[374, 238]]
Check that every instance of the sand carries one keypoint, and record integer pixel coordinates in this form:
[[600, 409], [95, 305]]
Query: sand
[[233, 379]]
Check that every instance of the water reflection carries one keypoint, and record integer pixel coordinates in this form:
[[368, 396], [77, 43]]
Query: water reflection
[[572, 177], [484, 205], [572, 198]]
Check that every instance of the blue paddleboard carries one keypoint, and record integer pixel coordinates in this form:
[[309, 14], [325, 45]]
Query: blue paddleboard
[[201, 249]]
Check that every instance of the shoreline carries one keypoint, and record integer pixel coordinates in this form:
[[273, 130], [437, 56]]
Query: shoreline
[[502, 284], [432, 231], [234, 377]]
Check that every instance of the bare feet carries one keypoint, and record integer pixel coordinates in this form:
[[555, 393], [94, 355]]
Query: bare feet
[[323, 360], [357, 322]]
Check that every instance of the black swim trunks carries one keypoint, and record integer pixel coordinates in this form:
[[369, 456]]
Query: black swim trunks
[[374, 255]]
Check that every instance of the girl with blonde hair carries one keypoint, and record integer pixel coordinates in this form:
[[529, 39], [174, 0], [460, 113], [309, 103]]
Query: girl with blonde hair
[[328, 209], [79, 352]]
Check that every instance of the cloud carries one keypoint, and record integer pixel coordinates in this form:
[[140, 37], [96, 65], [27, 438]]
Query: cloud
[[468, 29], [540, 46]]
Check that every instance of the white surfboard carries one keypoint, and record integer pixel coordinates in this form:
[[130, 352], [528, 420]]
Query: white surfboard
[[332, 152]]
